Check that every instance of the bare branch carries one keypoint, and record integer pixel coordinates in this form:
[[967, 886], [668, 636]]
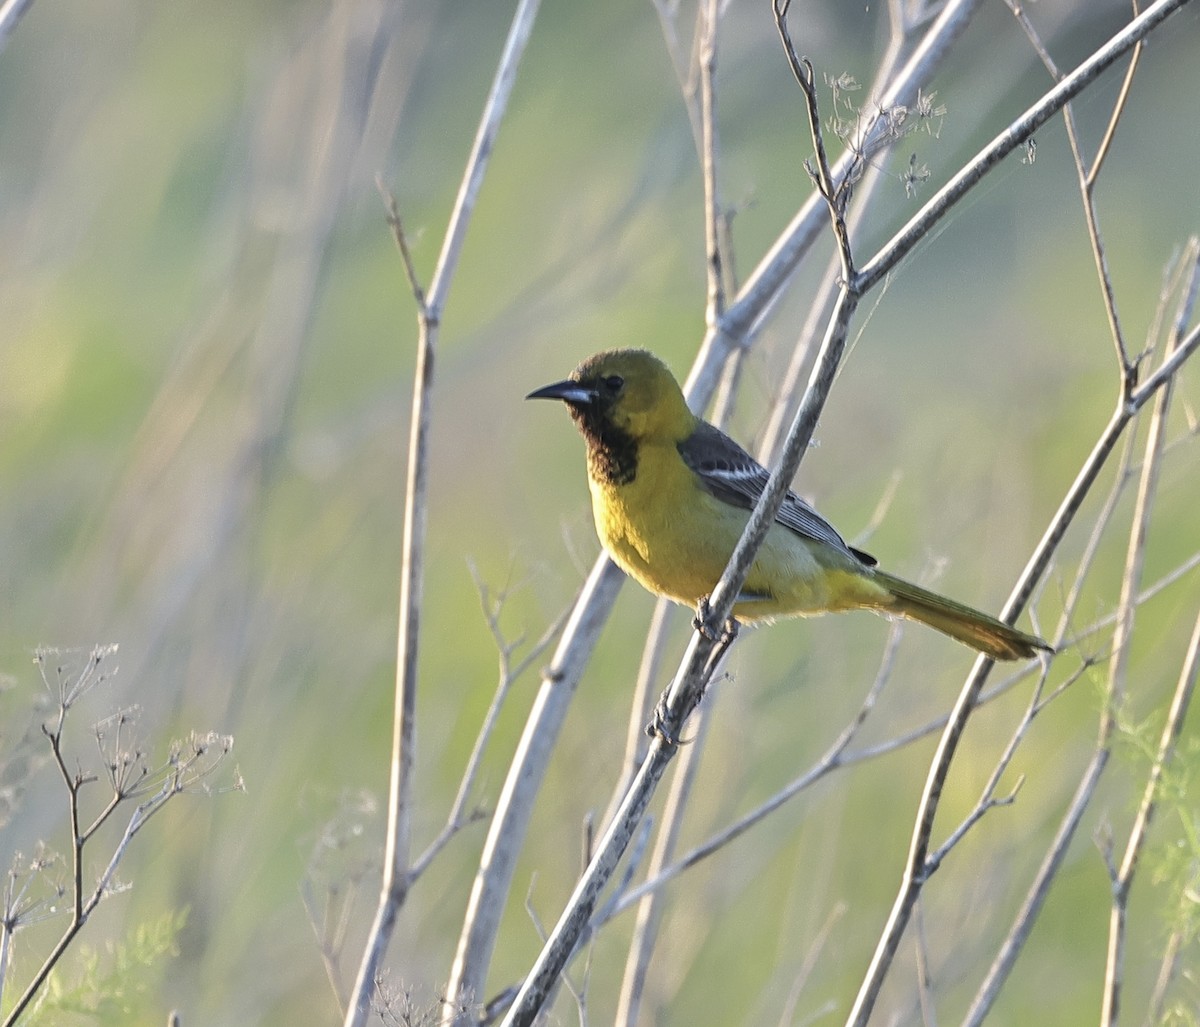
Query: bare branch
[[762, 288], [645, 932], [1115, 118], [916, 869], [401, 240], [11, 12], [717, 249], [187, 763], [636, 742], [1122, 636], [835, 756], [1017, 132], [1123, 879], [1130, 584], [458, 816], [836, 196], [515, 804], [394, 887], [713, 236], [810, 962], [866, 192]]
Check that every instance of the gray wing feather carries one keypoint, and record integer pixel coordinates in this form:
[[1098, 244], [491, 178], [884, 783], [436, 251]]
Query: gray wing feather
[[732, 475]]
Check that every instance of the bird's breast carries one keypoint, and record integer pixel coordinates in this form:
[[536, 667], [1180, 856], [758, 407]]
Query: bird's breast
[[674, 537], [663, 529]]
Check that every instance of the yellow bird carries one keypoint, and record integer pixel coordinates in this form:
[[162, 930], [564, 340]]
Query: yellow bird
[[671, 495]]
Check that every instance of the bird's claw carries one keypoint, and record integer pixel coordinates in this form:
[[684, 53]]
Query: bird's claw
[[702, 622], [659, 721], [657, 728]]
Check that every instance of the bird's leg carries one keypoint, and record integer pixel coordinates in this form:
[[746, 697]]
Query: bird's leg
[[728, 633], [702, 622], [657, 728]]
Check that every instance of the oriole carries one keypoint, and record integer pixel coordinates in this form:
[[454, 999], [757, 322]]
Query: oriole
[[671, 495]]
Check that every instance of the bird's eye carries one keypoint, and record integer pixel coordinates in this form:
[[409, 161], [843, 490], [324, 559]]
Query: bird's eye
[[614, 382]]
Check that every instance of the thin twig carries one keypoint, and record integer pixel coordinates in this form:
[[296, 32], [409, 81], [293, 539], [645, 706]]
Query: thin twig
[[401, 239], [644, 693], [514, 807], [834, 757], [683, 63], [866, 192], [713, 247], [763, 287], [1023, 922], [1115, 118], [394, 886], [1122, 636], [650, 911], [924, 974], [11, 12], [836, 195], [183, 768], [1018, 131], [574, 923], [809, 964], [916, 868], [1167, 369], [718, 270], [395, 882], [459, 817], [1168, 967], [1180, 701]]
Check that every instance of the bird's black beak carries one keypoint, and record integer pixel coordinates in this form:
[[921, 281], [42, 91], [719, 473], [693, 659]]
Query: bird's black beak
[[568, 391]]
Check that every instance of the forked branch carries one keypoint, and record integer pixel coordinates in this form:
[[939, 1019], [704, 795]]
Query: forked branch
[[396, 870]]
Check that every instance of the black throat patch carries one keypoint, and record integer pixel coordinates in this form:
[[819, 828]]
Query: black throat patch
[[611, 452]]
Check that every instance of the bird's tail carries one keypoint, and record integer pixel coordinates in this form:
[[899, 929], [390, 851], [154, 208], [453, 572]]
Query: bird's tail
[[971, 627]]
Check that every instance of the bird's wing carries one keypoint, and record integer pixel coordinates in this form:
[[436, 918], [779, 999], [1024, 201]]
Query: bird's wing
[[732, 475]]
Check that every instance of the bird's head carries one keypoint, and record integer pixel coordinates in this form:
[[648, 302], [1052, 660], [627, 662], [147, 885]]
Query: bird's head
[[629, 390]]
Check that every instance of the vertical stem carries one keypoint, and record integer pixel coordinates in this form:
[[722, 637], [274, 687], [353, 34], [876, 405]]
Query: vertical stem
[[396, 870], [11, 12], [1122, 636], [709, 16]]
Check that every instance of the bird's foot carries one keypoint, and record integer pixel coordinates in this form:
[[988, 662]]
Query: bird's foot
[[658, 726], [702, 622], [659, 721]]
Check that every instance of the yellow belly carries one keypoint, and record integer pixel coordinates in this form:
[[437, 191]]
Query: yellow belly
[[675, 539]]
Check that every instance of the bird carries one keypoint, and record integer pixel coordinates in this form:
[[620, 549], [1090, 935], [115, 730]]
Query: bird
[[671, 496]]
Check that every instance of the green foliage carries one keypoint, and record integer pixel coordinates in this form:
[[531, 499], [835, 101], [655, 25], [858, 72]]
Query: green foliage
[[1175, 860], [1180, 1014], [113, 986]]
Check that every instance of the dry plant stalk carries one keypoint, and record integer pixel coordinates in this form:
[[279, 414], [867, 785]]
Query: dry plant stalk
[[681, 697], [397, 871], [732, 327], [70, 677]]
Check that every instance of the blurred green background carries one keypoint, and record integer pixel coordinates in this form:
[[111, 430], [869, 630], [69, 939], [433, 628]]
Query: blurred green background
[[206, 343]]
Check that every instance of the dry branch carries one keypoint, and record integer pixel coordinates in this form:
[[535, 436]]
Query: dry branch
[[397, 874]]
